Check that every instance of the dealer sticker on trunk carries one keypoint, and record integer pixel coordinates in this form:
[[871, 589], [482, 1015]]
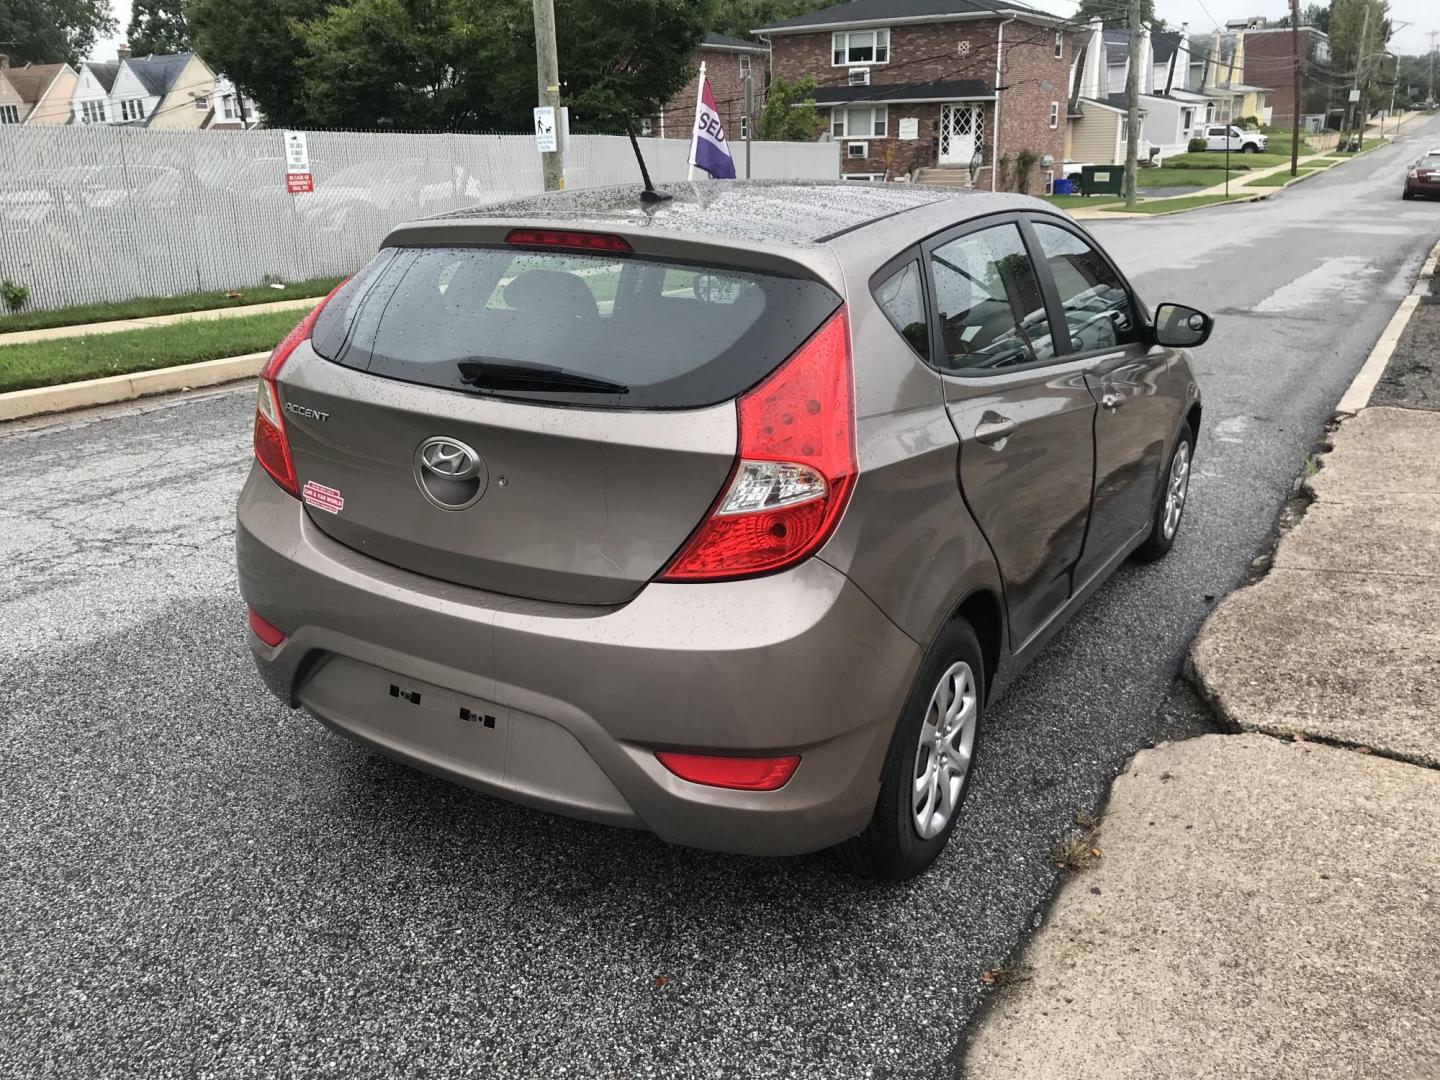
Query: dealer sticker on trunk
[[322, 497]]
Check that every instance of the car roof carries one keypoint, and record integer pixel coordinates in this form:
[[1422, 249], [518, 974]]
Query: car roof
[[773, 213]]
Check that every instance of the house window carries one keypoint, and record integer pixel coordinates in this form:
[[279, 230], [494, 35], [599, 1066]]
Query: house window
[[202, 103], [132, 110], [859, 123], [228, 105], [864, 177], [1059, 44], [1049, 181], [92, 112], [744, 64], [859, 47], [857, 150], [9, 114], [1054, 115]]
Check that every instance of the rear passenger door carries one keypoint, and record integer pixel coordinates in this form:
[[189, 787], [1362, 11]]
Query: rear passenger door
[[1105, 333], [1024, 415]]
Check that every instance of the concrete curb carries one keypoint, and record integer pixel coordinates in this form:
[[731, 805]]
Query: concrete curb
[[149, 322], [82, 395], [1357, 396]]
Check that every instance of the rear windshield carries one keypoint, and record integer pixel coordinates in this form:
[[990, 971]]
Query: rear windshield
[[1430, 161], [613, 331]]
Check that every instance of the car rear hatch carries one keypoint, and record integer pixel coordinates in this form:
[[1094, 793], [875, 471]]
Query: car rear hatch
[[535, 414]]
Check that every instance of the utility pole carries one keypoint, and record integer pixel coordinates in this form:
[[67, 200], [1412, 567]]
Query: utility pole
[[1132, 96], [1431, 95], [1355, 102], [1295, 123], [749, 118], [547, 77]]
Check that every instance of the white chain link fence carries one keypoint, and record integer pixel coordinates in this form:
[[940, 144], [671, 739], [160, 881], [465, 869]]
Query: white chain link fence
[[91, 214]]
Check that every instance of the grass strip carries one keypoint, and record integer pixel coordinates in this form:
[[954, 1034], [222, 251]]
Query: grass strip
[[1278, 179], [50, 363], [148, 306], [1162, 206], [1199, 178], [1070, 202]]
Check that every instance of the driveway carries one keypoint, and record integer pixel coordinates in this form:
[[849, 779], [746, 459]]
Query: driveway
[[199, 882]]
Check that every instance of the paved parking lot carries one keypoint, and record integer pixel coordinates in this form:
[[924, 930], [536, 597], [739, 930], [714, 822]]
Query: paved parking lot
[[199, 882]]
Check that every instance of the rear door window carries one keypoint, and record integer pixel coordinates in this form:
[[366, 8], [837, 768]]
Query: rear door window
[[620, 331], [901, 297]]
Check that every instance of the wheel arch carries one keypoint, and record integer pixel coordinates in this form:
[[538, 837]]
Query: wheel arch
[[985, 612]]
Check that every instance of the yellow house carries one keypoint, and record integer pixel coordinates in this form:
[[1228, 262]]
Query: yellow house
[[36, 94], [1231, 96]]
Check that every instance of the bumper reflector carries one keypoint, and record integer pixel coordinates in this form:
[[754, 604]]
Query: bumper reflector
[[270, 635], [741, 773]]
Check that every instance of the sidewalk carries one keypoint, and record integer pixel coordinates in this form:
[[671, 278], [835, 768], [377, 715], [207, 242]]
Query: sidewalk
[[22, 337], [1267, 904]]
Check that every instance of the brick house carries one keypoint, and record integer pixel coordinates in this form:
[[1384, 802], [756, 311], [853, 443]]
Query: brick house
[[727, 59], [1270, 63], [935, 85]]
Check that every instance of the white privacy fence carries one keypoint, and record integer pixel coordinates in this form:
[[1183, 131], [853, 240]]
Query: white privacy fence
[[90, 214]]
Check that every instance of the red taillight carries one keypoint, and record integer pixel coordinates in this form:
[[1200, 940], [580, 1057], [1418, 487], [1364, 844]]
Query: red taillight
[[272, 447], [566, 238], [267, 633], [741, 773], [794, 470]]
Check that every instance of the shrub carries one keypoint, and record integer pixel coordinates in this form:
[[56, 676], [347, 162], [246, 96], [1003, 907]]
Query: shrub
[[1250, 123], [14, 294], [1197, 146], [1025, 161]]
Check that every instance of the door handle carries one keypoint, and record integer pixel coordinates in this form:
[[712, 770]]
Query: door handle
[[991, 432], [1111, 400]]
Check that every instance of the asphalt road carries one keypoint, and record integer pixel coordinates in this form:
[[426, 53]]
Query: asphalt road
[[198, 882]]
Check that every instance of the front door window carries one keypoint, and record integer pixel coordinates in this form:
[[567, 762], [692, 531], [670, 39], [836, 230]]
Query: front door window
[[1098, 310], [962, 129]]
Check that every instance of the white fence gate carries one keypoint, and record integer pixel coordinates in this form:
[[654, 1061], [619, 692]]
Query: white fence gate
[[91, 214]]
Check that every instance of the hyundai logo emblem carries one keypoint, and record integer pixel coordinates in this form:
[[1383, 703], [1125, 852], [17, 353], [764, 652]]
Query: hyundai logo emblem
[[450, 474]]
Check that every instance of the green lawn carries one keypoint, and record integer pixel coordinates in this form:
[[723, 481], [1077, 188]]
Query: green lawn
[[1215, 159], [1199, 178], [1185, 202], [1279, 179], [1070, 202], [1317, 162], [162, 305], [47, 363]]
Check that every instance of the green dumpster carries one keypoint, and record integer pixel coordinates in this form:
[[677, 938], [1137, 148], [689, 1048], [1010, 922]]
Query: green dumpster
[[1102, 180]]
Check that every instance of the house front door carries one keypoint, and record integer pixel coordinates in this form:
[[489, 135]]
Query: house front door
[[961, 133]]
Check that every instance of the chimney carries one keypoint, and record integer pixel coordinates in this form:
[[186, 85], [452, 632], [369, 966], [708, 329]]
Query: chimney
[[122, 52], [1212, 66]]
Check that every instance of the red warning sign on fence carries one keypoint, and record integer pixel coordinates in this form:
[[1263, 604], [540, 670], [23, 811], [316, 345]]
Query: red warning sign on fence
[[298, 183]]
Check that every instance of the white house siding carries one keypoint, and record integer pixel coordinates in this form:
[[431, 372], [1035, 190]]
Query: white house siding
[[89, 91], [128, 88], [1162, 125]]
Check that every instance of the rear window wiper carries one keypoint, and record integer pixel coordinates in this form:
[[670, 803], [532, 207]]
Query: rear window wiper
[[494, 375]]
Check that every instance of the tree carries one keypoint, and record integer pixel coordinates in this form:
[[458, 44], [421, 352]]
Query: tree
[[52, 31], [738, 19], [790, 114], [448, 64], [258, 45], [1348, 19], [157, 26]]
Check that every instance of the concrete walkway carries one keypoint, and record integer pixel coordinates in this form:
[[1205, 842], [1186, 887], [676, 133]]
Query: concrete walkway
[[21, 337], [1266, 904]]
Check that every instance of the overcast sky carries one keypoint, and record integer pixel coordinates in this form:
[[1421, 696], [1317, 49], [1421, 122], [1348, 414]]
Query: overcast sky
[[1202, 15]]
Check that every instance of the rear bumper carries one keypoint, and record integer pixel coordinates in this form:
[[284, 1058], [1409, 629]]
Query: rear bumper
[[1422, 187], [581, 697]]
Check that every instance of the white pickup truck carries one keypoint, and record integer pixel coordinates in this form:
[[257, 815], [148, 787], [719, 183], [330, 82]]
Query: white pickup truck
[[1241, 142]]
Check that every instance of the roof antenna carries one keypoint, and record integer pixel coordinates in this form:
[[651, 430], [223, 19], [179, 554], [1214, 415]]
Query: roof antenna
[[649, 195]]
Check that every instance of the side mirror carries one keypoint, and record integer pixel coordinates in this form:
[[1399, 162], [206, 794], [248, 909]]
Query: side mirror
[[1181, 327]]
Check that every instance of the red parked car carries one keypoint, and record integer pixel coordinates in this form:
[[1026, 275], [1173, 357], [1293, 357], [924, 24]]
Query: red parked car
[[1424, 176]]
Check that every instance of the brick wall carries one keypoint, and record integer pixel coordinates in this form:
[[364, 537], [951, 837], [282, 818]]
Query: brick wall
[[932, 51], [1269, 62], [723, 70]]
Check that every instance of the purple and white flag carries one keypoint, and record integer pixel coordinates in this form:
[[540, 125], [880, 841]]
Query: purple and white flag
[[708, 148]]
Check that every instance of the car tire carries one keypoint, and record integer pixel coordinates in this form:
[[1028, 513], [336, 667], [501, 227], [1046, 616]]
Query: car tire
[[1407, 195], [893, 846], [1163, 529], [1249, 148]]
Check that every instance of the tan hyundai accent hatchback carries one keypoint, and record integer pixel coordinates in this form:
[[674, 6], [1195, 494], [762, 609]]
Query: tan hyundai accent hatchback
[[725, 517]]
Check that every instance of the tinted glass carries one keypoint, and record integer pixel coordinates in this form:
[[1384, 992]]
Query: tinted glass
[[671, 335], [1430, 161], [899, 296], [1098, 309], [990, 310]]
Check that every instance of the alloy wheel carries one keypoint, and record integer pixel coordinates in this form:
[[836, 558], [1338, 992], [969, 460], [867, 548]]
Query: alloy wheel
[[1176, 490], [942, 755]]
